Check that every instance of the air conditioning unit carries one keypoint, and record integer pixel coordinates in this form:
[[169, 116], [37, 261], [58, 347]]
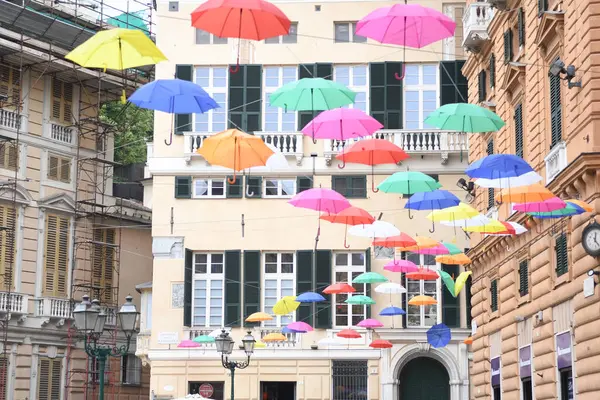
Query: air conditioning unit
[[499, 4]]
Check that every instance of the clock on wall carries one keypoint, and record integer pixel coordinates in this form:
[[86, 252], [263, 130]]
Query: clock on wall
[[590, 239]]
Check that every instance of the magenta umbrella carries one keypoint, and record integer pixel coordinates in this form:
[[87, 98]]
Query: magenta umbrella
[[403, 266], [300, 327], [549, 205], [434, 251], [370, 323], [188, 344]]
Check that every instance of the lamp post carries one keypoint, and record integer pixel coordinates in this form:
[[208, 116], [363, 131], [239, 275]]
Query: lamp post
[[225, 344], [90, 320]]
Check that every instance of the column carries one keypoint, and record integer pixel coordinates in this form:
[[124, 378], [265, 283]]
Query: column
[[389, 390]]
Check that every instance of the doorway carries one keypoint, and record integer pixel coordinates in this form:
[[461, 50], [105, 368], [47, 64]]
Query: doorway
[[424, 378], [278, 390]]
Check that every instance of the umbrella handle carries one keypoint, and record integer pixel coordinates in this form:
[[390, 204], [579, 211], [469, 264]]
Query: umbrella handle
[[432, 227], [230, 181], [373, 188], [234, 70], [248, 192], [342, 165], [168, 143], [409, 215], [346, 246], [400, 77]]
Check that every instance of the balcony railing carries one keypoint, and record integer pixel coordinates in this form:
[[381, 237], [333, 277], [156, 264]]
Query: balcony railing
[[53, 308], [194, 333], [10, 119], [111, 316], [61, 133], [556, 161], [292, 339], [13, 303], [476, 20]]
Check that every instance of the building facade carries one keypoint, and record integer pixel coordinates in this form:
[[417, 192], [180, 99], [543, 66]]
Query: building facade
[[62, 234], [535, 321]]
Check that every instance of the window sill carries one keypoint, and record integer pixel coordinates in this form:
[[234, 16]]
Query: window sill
[[131, 384], [523, 299], [58, 184], [494, 315], [561, 280]]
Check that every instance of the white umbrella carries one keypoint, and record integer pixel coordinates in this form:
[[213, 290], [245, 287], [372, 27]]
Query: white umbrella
[[508, 182], [390, 288], [217, 332], [479, 220], [378, 229]]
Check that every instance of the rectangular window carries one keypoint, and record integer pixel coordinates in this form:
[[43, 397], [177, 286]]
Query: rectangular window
[[131, 370], [280, 280], [283, 188], [10, 84], [245, 98], [214, 81], [420, 94], [527, 385], [508, 46], [492, 68], [555, 111], [59, 168], [291, 37], [94, 369], [481, 85], [490, 200], [208, 298], [209, 188], [103, 263], [276, 119], [519, 130], [560, 250], [203, 37], [62, 102], [355, 78], [49, 377], [494, 295], [8, 249], [349, 379], [56, 255], [422, 316], [523, 277], [345, 32], [9, 156], [348, 266], [350, 186]]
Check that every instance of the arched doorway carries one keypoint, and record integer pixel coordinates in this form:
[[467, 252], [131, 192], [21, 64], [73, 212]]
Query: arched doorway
[[424, 378]]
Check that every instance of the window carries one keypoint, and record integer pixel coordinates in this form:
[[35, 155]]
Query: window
[[349, 379], [214, 81], [49, 377], [497, 392], [521, 26], [131, 370], [492, 71], [291, 37], [494, 295], [481, 85], [490, 200], [8, 217], [103, 264], [279, 277], [276, 119], [203, 37], [94, 368], [4, 366], [348, 266], [342, 33], [422, 316], [59, 168], [527, 386], [279, 187], [10, 84], [204, 188], [555, 111], [350, 186], [519, 130], [62, 101], [508, 46], [420, 94], [208, 289], [542, 7], [56, 255], [354, 77], [566, 383], [560, 250], [9, 156], [523, 277]]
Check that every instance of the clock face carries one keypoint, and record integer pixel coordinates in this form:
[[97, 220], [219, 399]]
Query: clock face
[[592, 240]]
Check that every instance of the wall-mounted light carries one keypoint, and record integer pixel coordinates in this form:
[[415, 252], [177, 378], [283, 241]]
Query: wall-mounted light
[[469, 187], [557, 68]]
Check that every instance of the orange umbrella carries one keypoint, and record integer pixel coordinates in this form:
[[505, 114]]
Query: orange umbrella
[[401, 240], [259, 317], [350, 216], [535, 193], [422, 301], [274, 337], [236, 150], [423, 242], [381, 344], [457, 259], [468, 340], [423, 274], [338, 288], [349, 334]]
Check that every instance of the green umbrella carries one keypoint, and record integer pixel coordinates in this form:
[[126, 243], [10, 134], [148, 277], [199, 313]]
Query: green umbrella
[[408, 182], [204, 339], [360, 300], [452, 249], [563, 212], [465, 117], [312, 94], [370, 277], [448, 281]]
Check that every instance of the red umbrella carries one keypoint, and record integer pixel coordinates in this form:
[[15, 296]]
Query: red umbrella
[[350, 216], [401, 240], [510, 230], [372, 152], [241, 19], [349, 334], [381, 344], [338, 288], [423, 274]]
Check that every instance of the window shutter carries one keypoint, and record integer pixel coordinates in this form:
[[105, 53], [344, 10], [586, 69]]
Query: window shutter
[[523, 277], [245, 90], [63, 256], [404, 295], [386, 93], [323, 318], [4, 366], [12, 157], [562, 261], [234, 190], [542, 7], [56, 99], [56, 255], [494, 295], [508, 53], [183, 122], [65, 170], [53, 166], [368, 287], [7, 240], [304, 282], [67, 111], [555, 111], [450, 304], [233, 293], [521, 26], [56, 378], [5, 80], [254, 187], [468, 296], [490, 151], [252, 287], [482, 94], [183, 187], [519, 130], [306, 71], [49, 377], [103, 263], [188, 274], [453, 84], [492, 71], [303, 183]]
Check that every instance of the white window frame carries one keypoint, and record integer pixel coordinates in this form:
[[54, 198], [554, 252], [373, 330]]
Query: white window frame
[[209, 277], [433, 267], [352, 25], [211, 39], [352, 85], [279, 39], [209, 194], [420, 88], [267, 90], [278, 276], [212, 90], [137, 373], [279, 194], [348, 269]]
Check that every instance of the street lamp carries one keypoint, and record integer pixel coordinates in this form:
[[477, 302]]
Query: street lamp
[[224, 345], [90, 320]]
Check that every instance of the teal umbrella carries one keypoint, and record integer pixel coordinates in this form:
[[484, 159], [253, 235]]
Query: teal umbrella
[[359, 299], [452, 249], [448, 281], [568, 211], [409, 182], [204, 339], [369, 277], [465, 117]]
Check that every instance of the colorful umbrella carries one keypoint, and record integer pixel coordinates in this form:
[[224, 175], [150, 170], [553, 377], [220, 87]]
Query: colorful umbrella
[[549, 205], [381, 344], [511, 181], [390, 288], [582, 204], [369, 277], [378, 229], [403, 266], [456, 259], [300, 326], [339, 288], [438, 335], [452, 248], [408, 182], [259, 317], [401, 240], [421, 300], [370, 323], [373, 152], [448, 281], [274, 337], [434, 200], [391, 311], [260, 345], [465, 117], [457, 213], [287, 329], [360, 300], [434, 251], [350, 216], [204, 339], [188, 344], [309, 297], [569, 210], [525, 194], [286, 305], [349, 334], [482, 224], [461, 281], [512, 228], [422, 275], [423, 242], [497, 166]]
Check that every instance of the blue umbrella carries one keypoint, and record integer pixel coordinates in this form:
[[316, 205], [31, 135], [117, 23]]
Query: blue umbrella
[[285, 329], [497, 166], [439, 335], [391, 310], [434, 200], [310, 297]]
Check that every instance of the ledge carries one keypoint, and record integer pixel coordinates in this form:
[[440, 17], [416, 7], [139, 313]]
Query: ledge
[[549, 22]]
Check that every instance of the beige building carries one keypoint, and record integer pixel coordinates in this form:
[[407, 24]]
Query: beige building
[[61, 227], [534, 304], [223, 251]]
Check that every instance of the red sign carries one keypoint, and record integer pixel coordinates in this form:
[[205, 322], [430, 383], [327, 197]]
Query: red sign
[[206, 390]]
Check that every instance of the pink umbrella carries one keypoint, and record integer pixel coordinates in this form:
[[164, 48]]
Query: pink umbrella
[[300, 326], [370, 323], [549, 205], [434, 251], [403, 266], [188, 344]]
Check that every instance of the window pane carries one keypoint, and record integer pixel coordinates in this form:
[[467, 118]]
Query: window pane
[[289, 74], [270, 284], [218, 40], [341, 259], [358, 258], [288, 187], [202, 37], [216, 268], [428, 259], [272, 40], [342, 75], [287, 284], [430, 74], [342, 32], [341, 276], [292, 36], [356, 38], [411, 75], [201, 187], [219, 77]]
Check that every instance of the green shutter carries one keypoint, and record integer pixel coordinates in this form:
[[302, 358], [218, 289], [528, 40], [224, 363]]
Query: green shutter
[[508, 48], [245, 89], [519, 130], [367, 287], [404, 295], [254, 187], [350, 186], [323, 279], [183, 187], [562, 260], [481, 84], [450, 304], [188, 273], [542, 7], [468, 296], [492, 71], [555, 111], [233, 293], [521, 26], [494, 295], [523, 277], [234, 190], [183, 122], [303, 183], [386, 93], [319, 70], [453, 84], [490, 151], [252, 282], [304, 282]]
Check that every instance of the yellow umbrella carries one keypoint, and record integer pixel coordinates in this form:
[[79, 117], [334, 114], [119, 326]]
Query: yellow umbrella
[[456, 213], [422, 301], [487, 226], [457, 259], [259, 345], [286, 305], [259, 317], [460, 281], [274, 337], [423, 242]]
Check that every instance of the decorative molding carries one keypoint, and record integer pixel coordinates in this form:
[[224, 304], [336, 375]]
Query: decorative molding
[[59, 202], [167, 247], [515, 75], [23, 195], [549, 28], [443, 355], [267, 354]]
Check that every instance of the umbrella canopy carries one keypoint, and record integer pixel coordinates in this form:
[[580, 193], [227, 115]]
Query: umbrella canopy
[[322, 200], [310, 297], [456, 213], [117, 49], [244, 19], [549, 205], [423, 242], [274, 337], [465, 117], [174, 96], [468, 340], [369, 277], [408, 182], [260, 344], [259, 317], [350, 216], [403, 266], [204, 339], [310, 94], [409, 25], [372, 152], [497, 166], [342, 124], [569, 210], [482, 225], [525, 194], [390, 288], [370, 323], [455, 259], [582, 204], [360, 300], [512, 228], [381, 344], [188, 344], [235, 149], [452, 248], [287, 329], [401, 240], [421, 300], [349, 334], [461, 281], [448, 281], [300, 326], [511, 181], [434, 251], [422, 275], [286, 305], [338, 288], [391, 310], [438, 335], [378, 229], [434, 200]]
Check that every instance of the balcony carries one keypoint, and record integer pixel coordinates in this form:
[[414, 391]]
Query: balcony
[[476, 19], [142, 346], [556, 161], [11, 120], [292, 339], [53, 309], [14, 303], [60, 133]]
